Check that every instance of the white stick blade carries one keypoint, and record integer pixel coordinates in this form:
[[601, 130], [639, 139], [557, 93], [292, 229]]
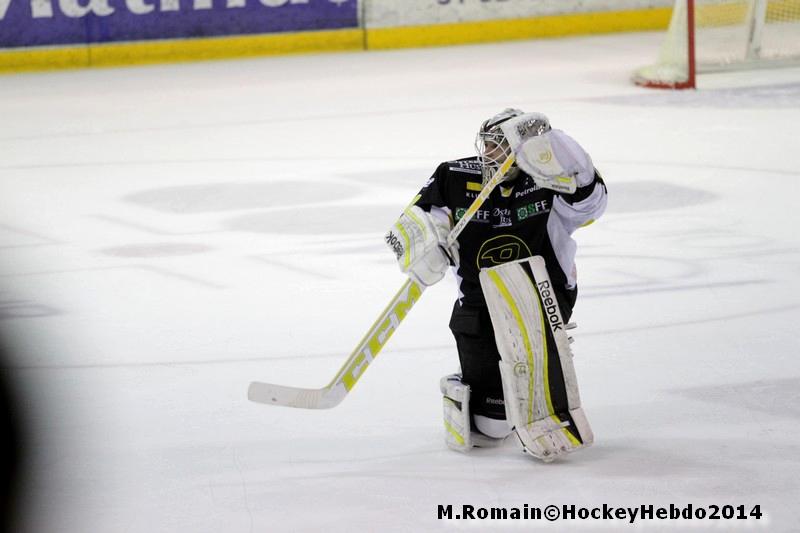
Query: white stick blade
[[270, 394]]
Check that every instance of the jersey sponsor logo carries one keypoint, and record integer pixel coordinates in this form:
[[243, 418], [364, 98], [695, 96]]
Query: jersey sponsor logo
[[501, 249], [469, 167], [550, 305], [481, 215], [474, 186], [526, 191], [503, 216], [532, 209], [466, 164], [467, 171], [64, 22]]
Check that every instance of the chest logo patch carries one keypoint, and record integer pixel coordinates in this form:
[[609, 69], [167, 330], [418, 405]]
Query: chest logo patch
[[502, 249]]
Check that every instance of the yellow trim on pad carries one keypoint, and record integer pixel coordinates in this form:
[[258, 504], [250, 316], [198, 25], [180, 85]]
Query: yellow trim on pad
[[543, 327], [407, 249], [147, 52], [512, 305], [515, 29], [418, 222], [456, 435]]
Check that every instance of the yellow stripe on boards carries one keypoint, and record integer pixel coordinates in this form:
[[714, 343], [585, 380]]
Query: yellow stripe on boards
[[525, 340], [227, 47], [162, 51], [45, 58], [783, 11], [734, 13], [515, 29]]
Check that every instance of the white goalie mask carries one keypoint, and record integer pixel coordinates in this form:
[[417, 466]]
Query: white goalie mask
[[492, 145]]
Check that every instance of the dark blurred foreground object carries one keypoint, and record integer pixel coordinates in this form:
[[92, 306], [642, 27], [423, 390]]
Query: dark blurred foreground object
[[11, 450]]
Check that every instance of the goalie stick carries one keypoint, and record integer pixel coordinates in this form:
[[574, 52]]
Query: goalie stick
[[377, 336]]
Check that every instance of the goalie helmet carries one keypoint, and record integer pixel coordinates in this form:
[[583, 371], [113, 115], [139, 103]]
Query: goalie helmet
[[492, 145]]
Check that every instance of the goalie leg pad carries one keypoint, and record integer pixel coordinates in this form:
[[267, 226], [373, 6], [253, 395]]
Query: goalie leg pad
[[455, 402], [539, 384], [458, 434]]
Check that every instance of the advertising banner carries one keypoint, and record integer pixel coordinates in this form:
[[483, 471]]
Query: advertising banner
[[395, 13], [30, 23]]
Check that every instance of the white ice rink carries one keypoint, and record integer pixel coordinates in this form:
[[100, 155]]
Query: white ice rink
[[170, 233]]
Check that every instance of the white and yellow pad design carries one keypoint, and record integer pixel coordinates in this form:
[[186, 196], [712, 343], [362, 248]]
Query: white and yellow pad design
[[455, 398], [539, 384], [458, 434], [418, 239]]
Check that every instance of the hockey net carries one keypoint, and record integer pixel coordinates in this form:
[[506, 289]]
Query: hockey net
[[715, 35]]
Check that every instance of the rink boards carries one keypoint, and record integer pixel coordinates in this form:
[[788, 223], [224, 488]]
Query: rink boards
[[47, 34]]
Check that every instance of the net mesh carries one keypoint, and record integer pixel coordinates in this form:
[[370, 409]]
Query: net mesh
[[729, 34]]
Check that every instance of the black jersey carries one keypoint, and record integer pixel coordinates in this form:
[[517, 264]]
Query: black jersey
[[518, 220]]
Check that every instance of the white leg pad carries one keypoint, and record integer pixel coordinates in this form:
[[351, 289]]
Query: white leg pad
[[540, 388], [458, 434], [455, 401], [544, 438]]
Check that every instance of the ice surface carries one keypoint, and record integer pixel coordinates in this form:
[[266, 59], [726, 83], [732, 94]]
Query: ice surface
[[170, 233]]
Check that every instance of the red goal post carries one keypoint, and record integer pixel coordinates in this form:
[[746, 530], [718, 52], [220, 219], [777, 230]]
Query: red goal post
[[718, 35]]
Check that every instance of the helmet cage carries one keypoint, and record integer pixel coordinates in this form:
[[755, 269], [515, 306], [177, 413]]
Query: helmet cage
[[493, 149]]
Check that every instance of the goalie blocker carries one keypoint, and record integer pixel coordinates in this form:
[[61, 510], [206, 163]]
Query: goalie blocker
[[539, 385]]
